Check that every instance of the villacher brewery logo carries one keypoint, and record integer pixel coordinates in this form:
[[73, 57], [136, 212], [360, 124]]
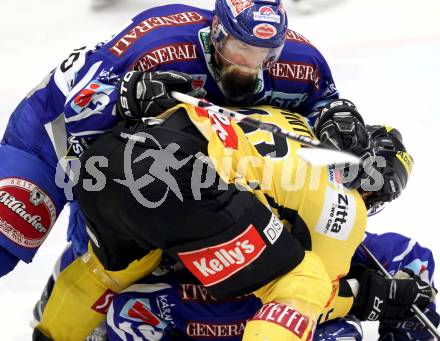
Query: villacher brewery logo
[[27, 213]]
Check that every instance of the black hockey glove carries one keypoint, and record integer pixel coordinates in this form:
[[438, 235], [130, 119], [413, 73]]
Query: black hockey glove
[[384, 299], [340, 126], [146, 94]]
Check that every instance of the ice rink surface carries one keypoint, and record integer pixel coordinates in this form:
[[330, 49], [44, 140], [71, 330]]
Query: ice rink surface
[[385, 57]]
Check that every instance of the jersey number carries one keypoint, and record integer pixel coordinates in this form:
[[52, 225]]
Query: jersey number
[[73, 57], [277, 148]]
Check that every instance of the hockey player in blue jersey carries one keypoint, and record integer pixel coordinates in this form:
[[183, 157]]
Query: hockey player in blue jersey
[[240, 53]]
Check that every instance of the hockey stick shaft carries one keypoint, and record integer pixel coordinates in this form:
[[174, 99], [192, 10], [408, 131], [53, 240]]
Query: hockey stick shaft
[[417, 312], [201, 103], [317, 155]]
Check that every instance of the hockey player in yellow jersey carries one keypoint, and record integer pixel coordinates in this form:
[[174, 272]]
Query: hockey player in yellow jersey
[[248, 215], [310, 201]]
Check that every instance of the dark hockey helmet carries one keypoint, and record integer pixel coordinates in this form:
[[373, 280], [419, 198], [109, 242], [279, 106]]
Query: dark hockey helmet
[[260, 26], [387, 143]]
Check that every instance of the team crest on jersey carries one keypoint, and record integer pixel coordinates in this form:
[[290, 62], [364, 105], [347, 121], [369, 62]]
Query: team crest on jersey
[[198, 81], [27, 213], [139, 310], [266, 13], [92, 99], [222, 126], [238, 6], [265, 31]]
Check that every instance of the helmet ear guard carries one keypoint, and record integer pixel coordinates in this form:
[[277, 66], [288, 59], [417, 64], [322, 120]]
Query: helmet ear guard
[[387, 144]]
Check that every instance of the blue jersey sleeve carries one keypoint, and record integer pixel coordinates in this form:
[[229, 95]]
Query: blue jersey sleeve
[[30, 202], [400, 252]]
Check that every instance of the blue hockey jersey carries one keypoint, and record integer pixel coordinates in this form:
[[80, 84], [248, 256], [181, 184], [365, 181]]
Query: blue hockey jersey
[[76, 102]]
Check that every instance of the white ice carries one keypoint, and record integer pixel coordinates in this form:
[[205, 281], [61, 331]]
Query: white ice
[[385, 56]]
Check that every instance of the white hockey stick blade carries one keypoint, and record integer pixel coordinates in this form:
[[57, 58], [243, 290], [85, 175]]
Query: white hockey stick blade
[[323, 157]]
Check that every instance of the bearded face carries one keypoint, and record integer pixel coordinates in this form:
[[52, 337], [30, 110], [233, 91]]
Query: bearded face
[[239, 63], [238, 84]]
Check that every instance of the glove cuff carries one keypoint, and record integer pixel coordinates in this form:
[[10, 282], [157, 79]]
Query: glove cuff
[[127, 104], [336, 106], [371, 299]]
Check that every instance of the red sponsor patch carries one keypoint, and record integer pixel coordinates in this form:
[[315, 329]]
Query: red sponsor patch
[[284, 316], [216, 263], [150, 24], [103, 303], [215, 330], [238, 6], [166, 55], [140, 311], [27, 214], [265, 31], [222, 126], [300, 72]]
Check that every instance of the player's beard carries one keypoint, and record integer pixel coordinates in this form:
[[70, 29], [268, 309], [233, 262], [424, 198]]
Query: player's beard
[[237, 85]]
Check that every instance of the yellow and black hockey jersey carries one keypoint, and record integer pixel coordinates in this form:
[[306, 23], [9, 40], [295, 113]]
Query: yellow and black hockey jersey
[[304, 197]]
